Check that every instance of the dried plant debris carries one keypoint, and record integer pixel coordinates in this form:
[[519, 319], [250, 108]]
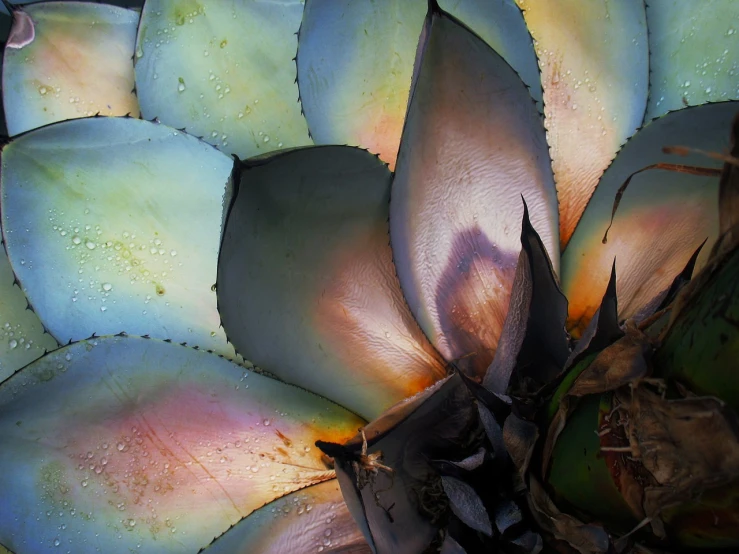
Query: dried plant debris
[[689, 445], [623, 362]]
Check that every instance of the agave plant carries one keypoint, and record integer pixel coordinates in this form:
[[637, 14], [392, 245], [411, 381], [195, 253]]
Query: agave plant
[[483, 253]]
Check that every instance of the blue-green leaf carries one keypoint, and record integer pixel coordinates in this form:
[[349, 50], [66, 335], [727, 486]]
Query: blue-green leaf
[[114, 224], [223, 71], [123, 444]]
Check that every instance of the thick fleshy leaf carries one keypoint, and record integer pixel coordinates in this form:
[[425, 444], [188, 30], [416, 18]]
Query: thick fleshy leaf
[[396, 507], [223, 71], [125, 443], [65, 60], [593, 56], [307, 285], [114, 224], [693, 53], [22, 337], [355, 63], [473, 145], [579, 472], [702, 345], [668, 295], [132, 4], [315, 519], [501, 24], [662, 217]]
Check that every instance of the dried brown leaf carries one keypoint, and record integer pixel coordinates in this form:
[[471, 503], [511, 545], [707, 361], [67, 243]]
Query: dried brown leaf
[[621, 363], [689, 445]]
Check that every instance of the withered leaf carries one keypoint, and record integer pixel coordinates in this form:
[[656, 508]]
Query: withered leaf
[[689, 445], [621, 363]]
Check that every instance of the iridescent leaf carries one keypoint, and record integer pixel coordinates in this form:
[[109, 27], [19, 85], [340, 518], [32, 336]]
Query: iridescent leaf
[[114, 225], [647, 314], [473, 144], [501, 24], [693, 53], [223, 71], [65, 60], [661, 220], [355, 63], [22, 337], [593, 56], [121, 443], [307, 283], [311, 520]]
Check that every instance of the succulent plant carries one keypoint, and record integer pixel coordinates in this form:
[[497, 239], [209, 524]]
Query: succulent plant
[[386, 276]]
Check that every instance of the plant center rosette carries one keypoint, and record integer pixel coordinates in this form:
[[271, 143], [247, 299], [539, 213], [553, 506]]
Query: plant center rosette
[[390, 276]]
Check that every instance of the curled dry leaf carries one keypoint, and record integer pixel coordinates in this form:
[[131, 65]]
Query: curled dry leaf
[[623, 362], [689, 445]]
